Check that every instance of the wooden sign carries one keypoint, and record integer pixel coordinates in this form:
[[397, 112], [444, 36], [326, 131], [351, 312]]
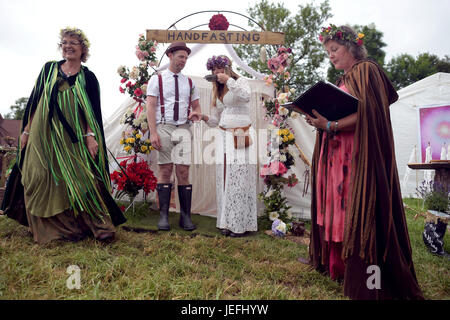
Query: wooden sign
[[218, 36]]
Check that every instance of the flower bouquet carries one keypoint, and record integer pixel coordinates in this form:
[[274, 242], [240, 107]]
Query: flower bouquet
[[132, 177]]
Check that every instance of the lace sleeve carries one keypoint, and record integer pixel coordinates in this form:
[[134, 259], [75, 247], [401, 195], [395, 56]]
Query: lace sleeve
[[240, 89], [214, 118]]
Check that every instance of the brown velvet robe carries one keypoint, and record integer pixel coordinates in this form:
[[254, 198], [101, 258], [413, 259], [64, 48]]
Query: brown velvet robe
[[375, 225]]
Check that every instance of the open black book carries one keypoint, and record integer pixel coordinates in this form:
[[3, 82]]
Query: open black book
[[327, 99]]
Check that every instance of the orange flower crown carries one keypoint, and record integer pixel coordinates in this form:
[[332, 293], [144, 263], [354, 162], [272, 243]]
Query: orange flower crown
[[335, 33]]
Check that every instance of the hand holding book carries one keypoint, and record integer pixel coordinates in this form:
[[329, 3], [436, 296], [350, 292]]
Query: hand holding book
[[327, 99]]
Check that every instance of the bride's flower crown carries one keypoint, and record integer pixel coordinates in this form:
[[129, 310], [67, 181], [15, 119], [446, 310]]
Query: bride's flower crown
[[218, 62], [335, 33]]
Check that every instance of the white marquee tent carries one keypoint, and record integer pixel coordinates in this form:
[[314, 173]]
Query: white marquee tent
[[431, 91]]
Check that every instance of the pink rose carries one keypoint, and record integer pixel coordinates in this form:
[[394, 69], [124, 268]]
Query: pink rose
[[140, 55], [278, 168], [264, 171]]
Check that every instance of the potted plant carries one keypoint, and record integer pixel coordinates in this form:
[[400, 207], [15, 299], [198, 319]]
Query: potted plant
[[436, 200]]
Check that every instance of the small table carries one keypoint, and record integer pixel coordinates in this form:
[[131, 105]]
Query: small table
[[441, 168]]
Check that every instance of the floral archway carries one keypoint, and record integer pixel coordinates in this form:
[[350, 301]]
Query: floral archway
[[276, 173]]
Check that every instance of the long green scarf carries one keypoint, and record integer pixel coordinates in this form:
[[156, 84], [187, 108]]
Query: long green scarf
[[78, 170]]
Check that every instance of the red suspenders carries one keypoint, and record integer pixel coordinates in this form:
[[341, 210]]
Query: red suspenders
[[161, 98]]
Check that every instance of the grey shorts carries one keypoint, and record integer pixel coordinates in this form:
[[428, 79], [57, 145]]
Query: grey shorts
[[176, 144]]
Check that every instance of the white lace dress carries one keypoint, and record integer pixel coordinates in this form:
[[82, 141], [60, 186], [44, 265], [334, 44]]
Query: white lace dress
[[236, 196]]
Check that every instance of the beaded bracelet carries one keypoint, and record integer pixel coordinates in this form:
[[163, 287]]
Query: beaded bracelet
[[329, 126], [335, 126], [91, 134], [26, 132]]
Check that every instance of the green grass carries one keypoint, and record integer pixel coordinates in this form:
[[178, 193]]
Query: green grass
[[182, 265]]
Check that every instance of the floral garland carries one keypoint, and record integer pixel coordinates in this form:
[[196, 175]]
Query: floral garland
[[133, 177], [276, 172], [218, 22], [333, 32], [134, 83]]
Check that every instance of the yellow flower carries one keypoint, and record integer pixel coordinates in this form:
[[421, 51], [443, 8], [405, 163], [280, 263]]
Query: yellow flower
[[132, 140], [144, 148], [360, 35], [138, 136], [122, 141], [291, 136], [279, 132], [147, 141], [127, 148]]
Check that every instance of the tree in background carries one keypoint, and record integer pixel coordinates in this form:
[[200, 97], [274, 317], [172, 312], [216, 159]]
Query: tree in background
[[301, 35], [373, 43], [18, 109], [404, 69]]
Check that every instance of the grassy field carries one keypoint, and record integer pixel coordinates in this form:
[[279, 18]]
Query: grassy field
[[183, 265]]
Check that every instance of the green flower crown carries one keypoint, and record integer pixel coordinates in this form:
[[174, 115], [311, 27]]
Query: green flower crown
[[78, 32], [335, 33]]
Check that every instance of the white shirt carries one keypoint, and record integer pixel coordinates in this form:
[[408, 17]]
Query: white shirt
[[168, 82]]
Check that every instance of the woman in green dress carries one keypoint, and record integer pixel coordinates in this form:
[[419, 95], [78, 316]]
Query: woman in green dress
[[60, 185]]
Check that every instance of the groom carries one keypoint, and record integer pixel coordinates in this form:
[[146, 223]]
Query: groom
[[170, 97]]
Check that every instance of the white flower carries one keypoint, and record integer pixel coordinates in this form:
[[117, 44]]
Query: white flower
[[143, 116], [283, 158], [269, 193], [144, 65], [144, 126], [295, 115], [281, 227], [134, 74], [282, 98], [136, 122], [283, 111], [289, 215], [273, 215], [122, 71], [292, 91]]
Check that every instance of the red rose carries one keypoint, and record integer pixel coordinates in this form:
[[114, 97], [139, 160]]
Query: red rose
[[138, 92], [123, 80], [121, 90]]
